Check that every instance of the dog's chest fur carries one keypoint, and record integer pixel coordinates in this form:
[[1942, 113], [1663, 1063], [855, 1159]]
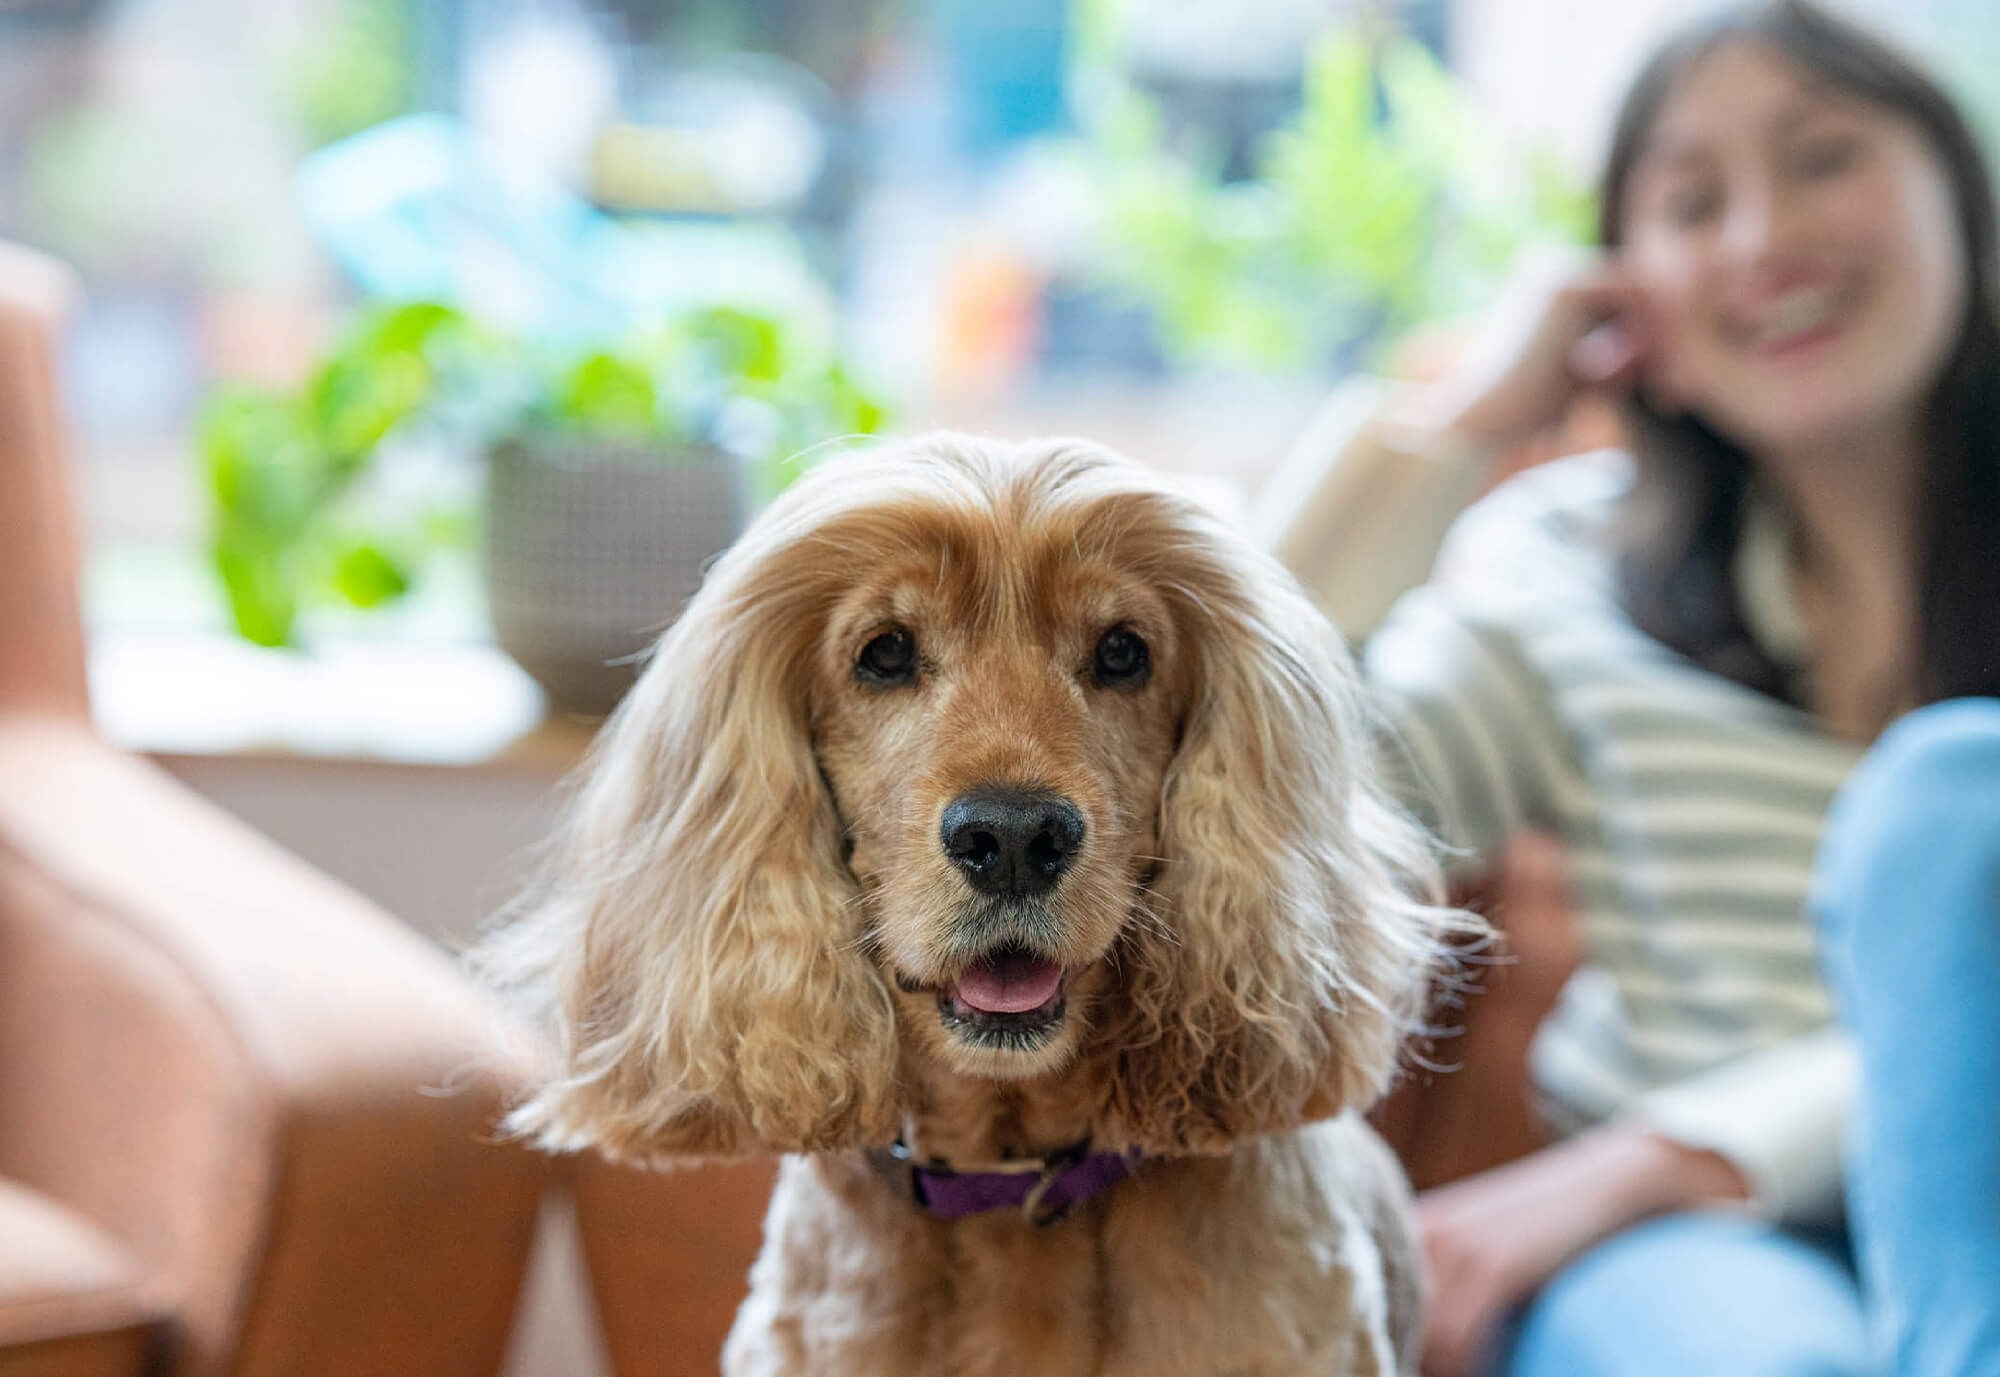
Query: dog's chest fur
[[1288, 1258]]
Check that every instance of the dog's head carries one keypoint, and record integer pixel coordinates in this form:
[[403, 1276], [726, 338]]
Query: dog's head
[[1001, 756]]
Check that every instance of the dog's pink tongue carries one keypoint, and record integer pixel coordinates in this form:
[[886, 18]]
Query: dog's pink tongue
[[1010, 984]]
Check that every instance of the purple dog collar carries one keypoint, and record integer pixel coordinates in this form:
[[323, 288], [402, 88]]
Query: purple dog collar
[[1043, 1189]]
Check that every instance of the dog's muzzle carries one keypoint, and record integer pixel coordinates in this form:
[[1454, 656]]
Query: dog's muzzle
[[1013, 998]]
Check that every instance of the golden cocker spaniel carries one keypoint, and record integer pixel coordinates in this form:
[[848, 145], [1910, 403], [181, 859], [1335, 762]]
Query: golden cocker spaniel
[[996, 832]]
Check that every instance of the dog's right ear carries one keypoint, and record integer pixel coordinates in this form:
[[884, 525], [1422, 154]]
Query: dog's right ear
[[1296, 918], [693, 949]]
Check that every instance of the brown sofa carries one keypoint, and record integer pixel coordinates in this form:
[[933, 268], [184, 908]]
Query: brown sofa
[[244, 1119], [669, 1255]]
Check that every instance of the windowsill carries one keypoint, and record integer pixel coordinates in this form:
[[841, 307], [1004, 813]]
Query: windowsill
[[401, 702], [418, 685]]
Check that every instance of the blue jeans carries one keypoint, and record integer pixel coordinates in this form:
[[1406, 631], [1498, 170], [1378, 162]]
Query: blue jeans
[[1909, 894], [1709, 1294]]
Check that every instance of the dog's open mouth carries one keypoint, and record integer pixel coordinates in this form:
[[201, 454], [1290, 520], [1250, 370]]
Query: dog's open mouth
[[1011, 998]]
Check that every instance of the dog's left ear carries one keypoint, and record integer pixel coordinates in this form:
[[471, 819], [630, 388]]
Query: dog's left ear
[[694, 947], [1298, 904]]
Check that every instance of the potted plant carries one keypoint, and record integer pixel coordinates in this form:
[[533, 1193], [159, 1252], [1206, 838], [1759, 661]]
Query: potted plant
[[613, 474]]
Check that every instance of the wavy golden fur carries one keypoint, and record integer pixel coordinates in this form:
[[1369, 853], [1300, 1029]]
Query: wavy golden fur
[[741, 939]]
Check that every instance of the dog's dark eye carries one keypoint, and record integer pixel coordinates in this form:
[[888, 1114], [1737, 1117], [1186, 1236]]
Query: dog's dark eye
[[891, 658], [1121, 659]]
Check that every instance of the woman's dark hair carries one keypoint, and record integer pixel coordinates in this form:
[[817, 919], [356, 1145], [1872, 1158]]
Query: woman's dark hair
[[1678, 573]]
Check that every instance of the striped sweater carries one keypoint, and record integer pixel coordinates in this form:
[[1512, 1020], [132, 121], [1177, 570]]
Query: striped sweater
[[1520, 694]]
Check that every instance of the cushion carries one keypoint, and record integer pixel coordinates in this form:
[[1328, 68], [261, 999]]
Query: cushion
[[72, 1299]]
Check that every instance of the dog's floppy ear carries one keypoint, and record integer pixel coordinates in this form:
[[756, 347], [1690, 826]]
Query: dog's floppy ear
[[693, 948], [1296, 922]]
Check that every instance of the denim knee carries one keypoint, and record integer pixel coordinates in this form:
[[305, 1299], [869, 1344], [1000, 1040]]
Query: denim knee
[[1927, 793], [1717, 1294], [1942, 747]]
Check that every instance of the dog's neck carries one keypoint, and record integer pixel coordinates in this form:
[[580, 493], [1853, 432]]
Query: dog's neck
[[969, 1123]]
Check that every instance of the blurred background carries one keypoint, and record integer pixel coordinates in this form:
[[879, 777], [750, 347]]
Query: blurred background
[[1167, 223], [424, 352]]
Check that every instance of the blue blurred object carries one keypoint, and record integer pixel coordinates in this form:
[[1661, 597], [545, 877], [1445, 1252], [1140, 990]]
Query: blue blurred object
[[416, 209], [51, 15], [419, 208], [1007, 61]]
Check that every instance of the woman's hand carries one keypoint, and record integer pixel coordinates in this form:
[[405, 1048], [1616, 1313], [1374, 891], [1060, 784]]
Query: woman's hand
[[1491, 1240], [1561, 328]]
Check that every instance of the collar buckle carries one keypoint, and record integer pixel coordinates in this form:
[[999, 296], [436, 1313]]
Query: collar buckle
[[1055, 1165]]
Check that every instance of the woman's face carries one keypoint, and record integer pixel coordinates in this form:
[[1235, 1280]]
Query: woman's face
[[1799, 254]]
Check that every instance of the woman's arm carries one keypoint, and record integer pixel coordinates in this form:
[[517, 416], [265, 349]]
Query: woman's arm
[[1779, 1115], [1762, 1132], [1493, 1239], [1359, 507]]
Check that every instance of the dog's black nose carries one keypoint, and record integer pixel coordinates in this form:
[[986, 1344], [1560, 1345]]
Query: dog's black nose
[[1011, 842]]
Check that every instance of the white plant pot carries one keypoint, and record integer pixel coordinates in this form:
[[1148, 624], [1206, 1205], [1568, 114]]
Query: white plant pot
[[592, 550]]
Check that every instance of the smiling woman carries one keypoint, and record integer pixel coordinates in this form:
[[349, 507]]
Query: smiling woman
[[1671, 659], [1810, 230], [1855, 287]]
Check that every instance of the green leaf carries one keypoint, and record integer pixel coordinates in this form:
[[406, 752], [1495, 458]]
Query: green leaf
[[852, 409], [369, 576], [241, 437], [387, 368], [261, 596], [358, 402], [743, 343], [607, 395], [408, 328]]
